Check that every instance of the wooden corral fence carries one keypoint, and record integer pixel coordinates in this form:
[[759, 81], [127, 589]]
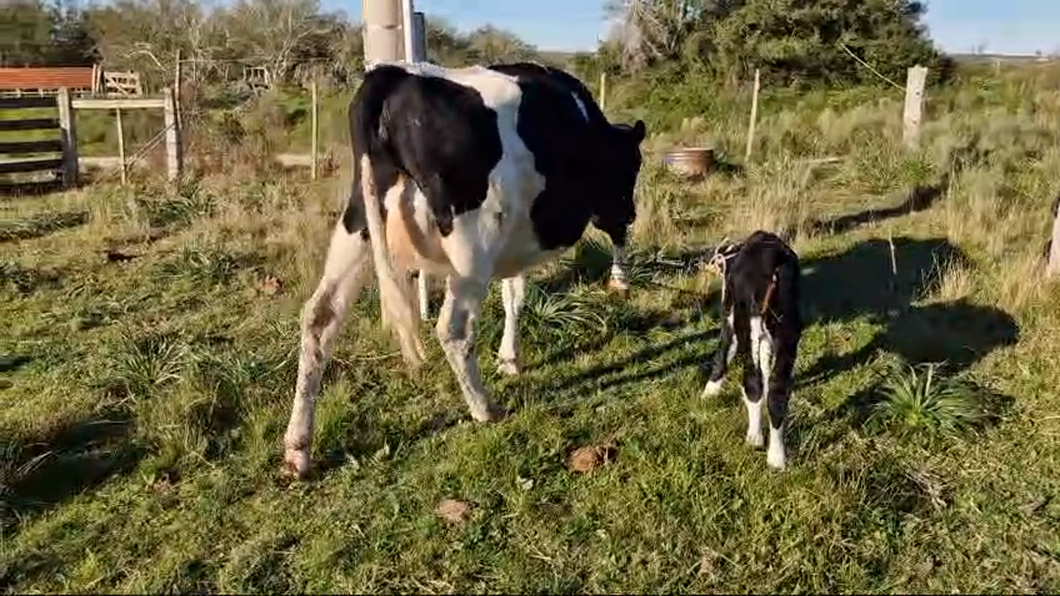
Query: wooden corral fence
[[12, 153], [67, 164], [43, 81], [122, 84], [170, 133], [257, 78], [46, 81]]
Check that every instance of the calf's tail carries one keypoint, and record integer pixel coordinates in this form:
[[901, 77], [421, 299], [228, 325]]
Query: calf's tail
[[395, 297], [785, 294]]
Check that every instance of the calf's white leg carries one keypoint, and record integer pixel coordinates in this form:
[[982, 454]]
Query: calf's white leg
[[761, 357], [513, 293], [344, 276], [727, 346], [754, 421]]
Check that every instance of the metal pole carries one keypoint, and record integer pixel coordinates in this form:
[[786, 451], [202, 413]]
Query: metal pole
[[419, 37], [406, 29]]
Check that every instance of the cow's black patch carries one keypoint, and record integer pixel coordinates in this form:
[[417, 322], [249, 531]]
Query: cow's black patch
[[590, 167], [438, 132]]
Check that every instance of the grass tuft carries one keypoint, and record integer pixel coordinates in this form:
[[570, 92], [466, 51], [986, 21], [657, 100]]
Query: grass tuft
[[922, 401]]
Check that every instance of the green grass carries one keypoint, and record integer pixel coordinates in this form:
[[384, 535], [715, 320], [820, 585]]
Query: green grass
[[143, 399]]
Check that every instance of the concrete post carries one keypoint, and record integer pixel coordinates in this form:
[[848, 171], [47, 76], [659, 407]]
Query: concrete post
[[382, 32]]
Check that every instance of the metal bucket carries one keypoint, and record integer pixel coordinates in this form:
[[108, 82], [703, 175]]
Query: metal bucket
[[690, 162]]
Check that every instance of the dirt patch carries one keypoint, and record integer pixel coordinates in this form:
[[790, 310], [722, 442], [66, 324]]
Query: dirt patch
[[588, 458], [454, 511]]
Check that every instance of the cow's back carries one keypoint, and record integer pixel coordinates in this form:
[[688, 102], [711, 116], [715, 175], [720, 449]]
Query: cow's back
[[446, 129]]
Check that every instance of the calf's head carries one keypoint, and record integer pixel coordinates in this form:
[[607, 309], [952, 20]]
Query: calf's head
[[618, 163]]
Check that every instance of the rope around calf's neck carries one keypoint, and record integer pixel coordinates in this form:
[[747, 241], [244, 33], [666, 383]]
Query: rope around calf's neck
[[718, 264]]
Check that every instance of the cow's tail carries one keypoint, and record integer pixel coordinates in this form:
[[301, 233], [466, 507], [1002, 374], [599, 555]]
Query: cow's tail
[[395, 298]]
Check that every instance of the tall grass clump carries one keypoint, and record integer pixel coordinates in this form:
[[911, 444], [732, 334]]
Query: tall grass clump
[[659, 200], [921, 402], [778, 199]]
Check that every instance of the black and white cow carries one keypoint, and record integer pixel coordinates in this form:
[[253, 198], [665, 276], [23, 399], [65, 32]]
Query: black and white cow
[[760, 304], [470, 173], [618, 280]]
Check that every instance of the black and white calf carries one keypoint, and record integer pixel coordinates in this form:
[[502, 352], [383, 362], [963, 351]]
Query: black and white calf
[[760, 304], [473, 174]]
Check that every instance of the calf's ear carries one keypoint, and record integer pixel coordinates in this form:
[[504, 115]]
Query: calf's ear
[[639, 130]]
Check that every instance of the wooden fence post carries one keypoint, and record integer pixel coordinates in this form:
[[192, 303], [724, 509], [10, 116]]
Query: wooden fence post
[[603, 91], [174, 155], [1052, 268], [121, 147], [68, 136], [914, 105], [177, 75], [754, 117], [316, 128]]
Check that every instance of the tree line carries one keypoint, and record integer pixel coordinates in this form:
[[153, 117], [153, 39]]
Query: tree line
[[291, 38], [791, 41], [794, 41]]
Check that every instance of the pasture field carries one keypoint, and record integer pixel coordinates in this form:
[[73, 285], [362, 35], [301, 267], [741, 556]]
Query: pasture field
[[148, 342]]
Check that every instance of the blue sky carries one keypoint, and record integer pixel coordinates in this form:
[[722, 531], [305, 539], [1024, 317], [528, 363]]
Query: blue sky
[[1015, 26]]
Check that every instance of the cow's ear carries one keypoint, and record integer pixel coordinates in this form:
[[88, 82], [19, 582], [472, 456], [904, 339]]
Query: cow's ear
[[639, 130]]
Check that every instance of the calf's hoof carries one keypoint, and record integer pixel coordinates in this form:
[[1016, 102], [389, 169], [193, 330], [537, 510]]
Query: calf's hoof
[[755, 440], [296, 463], [776, 458], [712, 389]]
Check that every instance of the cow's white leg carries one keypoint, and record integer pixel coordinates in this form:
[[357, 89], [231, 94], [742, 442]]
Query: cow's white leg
[[322, 316], [513, 293], [421, 286], [456, 332], [619, 281]]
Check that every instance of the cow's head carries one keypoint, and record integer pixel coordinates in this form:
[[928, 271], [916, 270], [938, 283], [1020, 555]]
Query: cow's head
[[619, 161]]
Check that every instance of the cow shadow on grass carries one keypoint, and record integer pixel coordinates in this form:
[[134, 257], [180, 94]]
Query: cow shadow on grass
[[860, 284], [590, 264], [38, 472], [649, 363], [873, 283], [41, 224], [922, 197]]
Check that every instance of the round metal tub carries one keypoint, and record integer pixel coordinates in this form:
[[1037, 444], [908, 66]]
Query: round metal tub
[[690, 162]]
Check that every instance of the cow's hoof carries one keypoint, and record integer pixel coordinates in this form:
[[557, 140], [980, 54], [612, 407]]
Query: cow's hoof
[[492, 413], [755, 440], [296, 463], [712, 389], [508, 367], [619, 288]]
